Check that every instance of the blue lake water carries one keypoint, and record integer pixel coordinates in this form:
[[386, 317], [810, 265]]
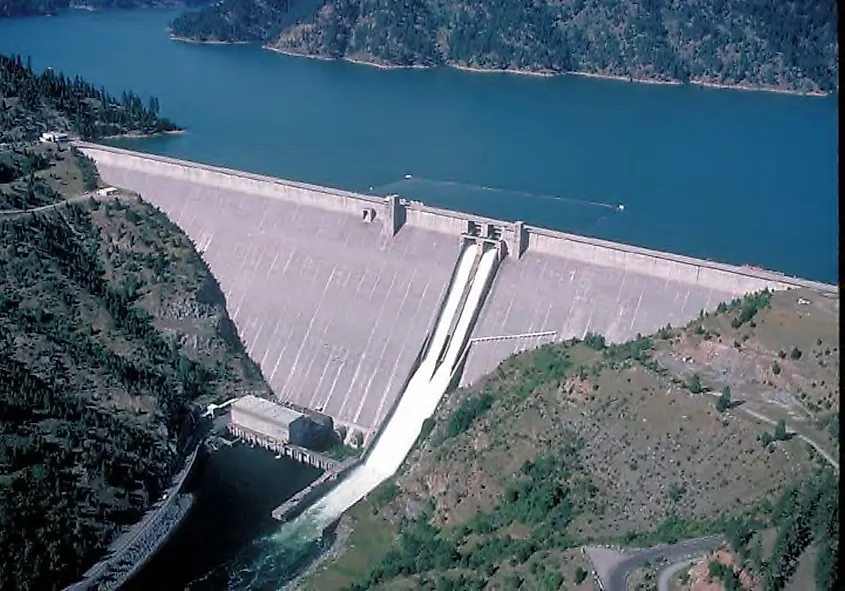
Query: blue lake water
[[741, 177]]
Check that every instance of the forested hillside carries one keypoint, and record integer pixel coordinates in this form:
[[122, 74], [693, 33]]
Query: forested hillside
[[637, 444], [112, 333], [17, 8], [783, 44], [31, 103]]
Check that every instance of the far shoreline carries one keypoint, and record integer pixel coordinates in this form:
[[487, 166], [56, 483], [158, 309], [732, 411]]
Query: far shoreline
[[533, 74], [133, 135]]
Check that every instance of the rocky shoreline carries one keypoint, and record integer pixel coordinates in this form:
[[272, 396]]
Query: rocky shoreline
[[131, 551], [538, 74]]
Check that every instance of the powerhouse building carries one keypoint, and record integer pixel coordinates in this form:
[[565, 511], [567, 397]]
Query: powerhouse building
[[260, 419]]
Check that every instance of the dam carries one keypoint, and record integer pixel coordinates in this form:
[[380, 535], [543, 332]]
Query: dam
[[336, 295]]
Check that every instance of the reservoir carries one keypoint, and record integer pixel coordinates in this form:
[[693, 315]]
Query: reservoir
[[728, 175]]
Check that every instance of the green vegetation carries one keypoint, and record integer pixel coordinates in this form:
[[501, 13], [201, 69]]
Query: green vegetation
[[724, 402], [469, 410], [540, 496], [726, 574], [98, 405], [341, 452], [35, 174], [780, 434], [806, 513], [31, 103], [790, 44], [22, 182], [580, 575], [244, 20], [749, 306], [695, 384]]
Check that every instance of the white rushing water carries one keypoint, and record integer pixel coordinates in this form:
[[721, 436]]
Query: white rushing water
[[418, 402]]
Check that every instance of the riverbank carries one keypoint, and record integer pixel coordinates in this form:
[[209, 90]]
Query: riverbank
[[751, 88], [132, 549]]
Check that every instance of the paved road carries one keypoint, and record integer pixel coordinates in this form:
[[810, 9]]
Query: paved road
[[13, 213], [667, 573], [613, 576], [8, 214]]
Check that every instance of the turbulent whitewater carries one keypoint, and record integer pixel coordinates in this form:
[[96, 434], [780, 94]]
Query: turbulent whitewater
[[286, 550]]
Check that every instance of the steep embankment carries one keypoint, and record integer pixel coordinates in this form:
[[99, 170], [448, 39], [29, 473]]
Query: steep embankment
[[789, 45], [583, 443], [112, 331]]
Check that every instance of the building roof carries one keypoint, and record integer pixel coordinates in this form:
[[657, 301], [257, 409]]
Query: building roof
[[266, 408]]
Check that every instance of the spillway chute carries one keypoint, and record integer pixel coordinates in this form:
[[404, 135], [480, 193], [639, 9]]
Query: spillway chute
[[418, 402]]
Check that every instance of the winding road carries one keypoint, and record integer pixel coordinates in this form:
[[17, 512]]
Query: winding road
[[9, 214], [667, 573], [613, 566]]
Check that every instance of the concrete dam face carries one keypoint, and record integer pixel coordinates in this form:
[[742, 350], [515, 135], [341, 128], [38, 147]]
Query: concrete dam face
[[335, 294]]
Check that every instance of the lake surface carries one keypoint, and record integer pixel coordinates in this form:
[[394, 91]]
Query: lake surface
[[741, 177]]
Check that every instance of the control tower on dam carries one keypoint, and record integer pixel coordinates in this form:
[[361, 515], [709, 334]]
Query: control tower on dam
[[334, 293]]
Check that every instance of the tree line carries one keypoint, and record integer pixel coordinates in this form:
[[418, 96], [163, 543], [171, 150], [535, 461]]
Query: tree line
[[44, 99], [790, 44]]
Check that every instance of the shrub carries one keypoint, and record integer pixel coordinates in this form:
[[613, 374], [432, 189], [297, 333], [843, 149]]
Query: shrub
[[468, 411], [695, 384], [580, 575], [780, 431], [595, 341], [427, 427], [724, 402]]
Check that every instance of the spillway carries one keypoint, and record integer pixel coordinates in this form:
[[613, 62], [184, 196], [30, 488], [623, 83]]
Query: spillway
[[418, 402]]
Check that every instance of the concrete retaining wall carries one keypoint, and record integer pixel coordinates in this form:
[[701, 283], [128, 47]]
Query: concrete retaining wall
[[317, 489], [662, 265], [244, 182], [540, 240]]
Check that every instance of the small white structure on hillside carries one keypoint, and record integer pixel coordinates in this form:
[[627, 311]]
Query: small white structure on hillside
[[58, 137], [106, 191]]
